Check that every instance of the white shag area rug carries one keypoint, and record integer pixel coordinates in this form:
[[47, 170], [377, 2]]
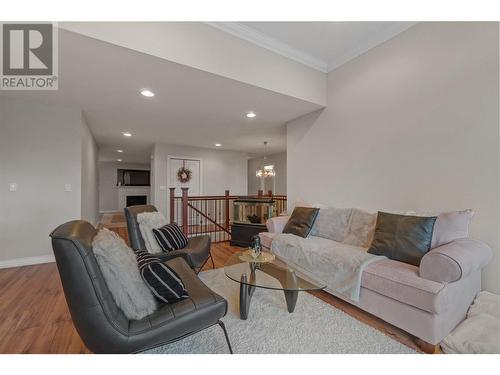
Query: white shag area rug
[[314, 327]]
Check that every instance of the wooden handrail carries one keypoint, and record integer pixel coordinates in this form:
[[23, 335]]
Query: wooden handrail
[[230, 197], [209, 197], [194, 213]]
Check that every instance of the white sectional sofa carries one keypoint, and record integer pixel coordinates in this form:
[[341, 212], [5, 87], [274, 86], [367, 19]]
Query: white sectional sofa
[[428, 301]]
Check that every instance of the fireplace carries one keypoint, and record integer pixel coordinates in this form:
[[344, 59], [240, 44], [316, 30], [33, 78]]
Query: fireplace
[[134, 200]]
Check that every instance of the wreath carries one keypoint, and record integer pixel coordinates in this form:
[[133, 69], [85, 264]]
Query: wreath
[[184, 174]]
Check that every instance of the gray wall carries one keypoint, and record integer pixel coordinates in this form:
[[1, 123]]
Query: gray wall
[[254, 182], [108, 191], [40, 150], [221, 170], [410, 125], [90, 194]]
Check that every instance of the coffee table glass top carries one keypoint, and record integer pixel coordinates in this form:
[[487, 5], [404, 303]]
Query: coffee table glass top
[[268, 272]]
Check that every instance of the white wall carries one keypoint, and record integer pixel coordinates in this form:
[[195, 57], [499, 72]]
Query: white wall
[[254, 182], [413, 124], [108, 191], [222, 170], [90, 194], [204, 47], [40, 150]]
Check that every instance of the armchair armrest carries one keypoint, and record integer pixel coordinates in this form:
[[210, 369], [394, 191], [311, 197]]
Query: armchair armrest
[[277, 224], [455, 260]]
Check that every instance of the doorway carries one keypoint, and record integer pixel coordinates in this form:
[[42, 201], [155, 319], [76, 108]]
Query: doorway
[[195, 181]]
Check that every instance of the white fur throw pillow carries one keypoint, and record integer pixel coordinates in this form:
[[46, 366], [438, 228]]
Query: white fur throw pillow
[[147, 222], [361, 228], [119, 268], [331, 223]]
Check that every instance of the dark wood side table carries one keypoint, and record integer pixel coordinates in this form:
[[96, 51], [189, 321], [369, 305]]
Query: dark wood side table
[[241, 234]]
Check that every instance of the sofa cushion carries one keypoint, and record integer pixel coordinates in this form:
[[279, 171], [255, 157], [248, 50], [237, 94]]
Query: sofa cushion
[[336, 264], [301, 221], [360, 228], [266, 238], [402, 282], [331, 223], [401, 237]]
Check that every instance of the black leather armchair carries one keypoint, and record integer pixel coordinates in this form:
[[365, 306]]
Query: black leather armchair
[[98, 320], [196, 253]]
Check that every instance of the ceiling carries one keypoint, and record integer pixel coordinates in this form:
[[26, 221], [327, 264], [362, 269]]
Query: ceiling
[[193, 107], [190, 107], [320, 45]]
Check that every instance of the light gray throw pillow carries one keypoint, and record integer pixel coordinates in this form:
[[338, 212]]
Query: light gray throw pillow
[[361, 228], [118, 265], [331, 223], [449, 226]]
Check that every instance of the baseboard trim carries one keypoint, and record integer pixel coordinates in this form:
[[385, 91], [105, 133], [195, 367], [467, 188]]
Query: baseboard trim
[[19, 262]]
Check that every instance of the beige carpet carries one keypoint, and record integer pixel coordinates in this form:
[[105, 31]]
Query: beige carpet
[[314, 327]]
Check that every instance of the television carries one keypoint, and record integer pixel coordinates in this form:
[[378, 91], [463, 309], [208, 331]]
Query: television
[[133, 177]]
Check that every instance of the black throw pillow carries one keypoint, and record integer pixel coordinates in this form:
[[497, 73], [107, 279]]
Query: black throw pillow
[[162, 280], [403, 238], [301, 221], [170, 237]]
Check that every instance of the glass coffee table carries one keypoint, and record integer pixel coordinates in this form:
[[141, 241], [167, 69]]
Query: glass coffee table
[[267, 272]]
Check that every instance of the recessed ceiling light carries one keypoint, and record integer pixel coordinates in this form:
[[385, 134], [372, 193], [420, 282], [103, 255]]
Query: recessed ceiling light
[[120, 151], [147, 93], [218, 145], [118, 159], [127, 134], [251, 114]]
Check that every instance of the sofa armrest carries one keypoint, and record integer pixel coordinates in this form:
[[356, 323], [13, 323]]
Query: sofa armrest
[[277, 224], [455, 260]]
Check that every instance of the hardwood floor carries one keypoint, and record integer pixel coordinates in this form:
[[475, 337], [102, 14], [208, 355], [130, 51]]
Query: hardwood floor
[[34, 317]]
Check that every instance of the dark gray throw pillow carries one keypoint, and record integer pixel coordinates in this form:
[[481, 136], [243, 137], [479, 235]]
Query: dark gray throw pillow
[[403, 238], [301, 221]]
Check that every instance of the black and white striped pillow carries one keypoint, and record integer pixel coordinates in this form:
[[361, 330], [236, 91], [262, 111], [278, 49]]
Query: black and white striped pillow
[[170, 237], [163, 281]]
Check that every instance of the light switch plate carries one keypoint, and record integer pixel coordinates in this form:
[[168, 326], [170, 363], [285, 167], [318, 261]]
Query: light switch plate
[[67, 187], [12, 186]]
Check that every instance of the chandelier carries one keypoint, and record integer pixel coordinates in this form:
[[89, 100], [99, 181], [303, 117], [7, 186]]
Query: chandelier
[[265, 170]]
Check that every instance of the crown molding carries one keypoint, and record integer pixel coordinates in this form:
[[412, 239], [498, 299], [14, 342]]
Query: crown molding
[[374, 41], [271, 44], [264, 41]]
